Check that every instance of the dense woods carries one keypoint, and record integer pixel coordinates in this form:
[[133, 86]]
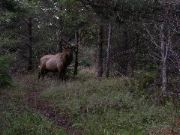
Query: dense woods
[[124, 51]]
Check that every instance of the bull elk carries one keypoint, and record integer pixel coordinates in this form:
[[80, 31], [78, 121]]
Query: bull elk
[[56, 63]]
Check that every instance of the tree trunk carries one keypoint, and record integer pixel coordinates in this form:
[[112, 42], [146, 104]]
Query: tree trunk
[[76, 53], [100, 52], [163, 60], [30, 51], [108, 51]]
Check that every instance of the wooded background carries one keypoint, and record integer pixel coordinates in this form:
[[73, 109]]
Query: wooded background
[[135, 38]]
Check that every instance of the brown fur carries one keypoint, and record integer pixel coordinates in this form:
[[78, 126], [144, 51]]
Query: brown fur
[[56, 63]]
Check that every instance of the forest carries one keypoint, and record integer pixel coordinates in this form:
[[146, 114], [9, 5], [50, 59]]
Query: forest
[[90, 67]]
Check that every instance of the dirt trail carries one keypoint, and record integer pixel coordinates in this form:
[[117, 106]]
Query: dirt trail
[[52, 112]]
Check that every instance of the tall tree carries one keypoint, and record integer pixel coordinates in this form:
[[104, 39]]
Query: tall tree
[[100, 51], [166, 27], [108, 53]]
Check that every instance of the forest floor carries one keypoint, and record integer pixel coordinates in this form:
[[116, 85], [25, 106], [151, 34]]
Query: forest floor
[[52, 112], [83, 106]]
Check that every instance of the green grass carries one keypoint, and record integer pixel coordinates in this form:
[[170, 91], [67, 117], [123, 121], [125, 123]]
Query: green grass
[[109, 106], [17, 119], [113, 106], [27, 123]]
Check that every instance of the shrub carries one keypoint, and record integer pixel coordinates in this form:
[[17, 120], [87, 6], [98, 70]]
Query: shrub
[[85, 63], [145, 79], [5, 78]]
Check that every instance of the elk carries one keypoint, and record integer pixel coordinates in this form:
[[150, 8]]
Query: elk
[[56, 63]]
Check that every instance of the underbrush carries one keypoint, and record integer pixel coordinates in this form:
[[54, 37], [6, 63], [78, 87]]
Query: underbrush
[[113, 106], [5, 78], [17, 119], [110, 106]]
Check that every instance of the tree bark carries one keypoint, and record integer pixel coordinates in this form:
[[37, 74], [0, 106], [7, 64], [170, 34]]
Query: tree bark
[[30, 51], [164, 50], [108, 50], [76, 53], [100, 52]]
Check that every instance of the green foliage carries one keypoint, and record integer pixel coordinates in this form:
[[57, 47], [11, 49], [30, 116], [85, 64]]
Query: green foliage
[[17, 119], [125, 9], [6, 17], [86, 59], [10, 5], [85, 63], [30, 124], [145, 79], [136, 4], [5, 78], [109, 106], [10, 9], [73, 15]]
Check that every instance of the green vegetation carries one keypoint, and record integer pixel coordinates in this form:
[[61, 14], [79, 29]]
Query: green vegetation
[[5, 78], [98, 106], [17, 119], [133, 43], [145, 79], [109, 106]]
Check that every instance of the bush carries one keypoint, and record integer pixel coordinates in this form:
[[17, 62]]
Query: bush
[[5, 78], [145, 79], [85, 63]]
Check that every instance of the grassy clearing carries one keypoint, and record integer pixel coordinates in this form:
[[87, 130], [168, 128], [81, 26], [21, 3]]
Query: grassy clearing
[[109, 106], [17, 119]]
